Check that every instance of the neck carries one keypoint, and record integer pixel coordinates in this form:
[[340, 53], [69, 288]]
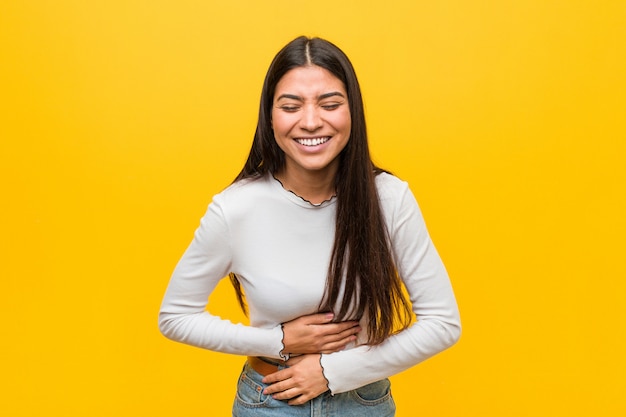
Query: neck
[[316, 186]]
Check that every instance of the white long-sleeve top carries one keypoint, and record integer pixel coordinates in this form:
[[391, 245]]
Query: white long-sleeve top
[[279, 245]]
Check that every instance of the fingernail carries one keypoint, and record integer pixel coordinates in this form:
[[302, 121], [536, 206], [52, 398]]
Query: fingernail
[[330, 315]]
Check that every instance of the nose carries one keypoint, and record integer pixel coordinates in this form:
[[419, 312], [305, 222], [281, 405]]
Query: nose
[[311, 119]]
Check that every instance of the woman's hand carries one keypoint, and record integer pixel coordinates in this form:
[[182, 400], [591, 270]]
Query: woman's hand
[[316, 333], [301, 382]]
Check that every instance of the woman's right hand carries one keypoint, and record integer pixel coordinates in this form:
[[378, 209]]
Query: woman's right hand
[[316, 333]]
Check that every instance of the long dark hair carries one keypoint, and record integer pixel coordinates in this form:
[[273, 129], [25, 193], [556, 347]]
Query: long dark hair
[[361, 259]]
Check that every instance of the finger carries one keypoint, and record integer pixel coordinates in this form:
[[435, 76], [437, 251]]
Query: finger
[[330, 329], [287, 394], [337, 346], [350, 331], [342, 336], [347, 325], [277, 376], [302, 399], [320, 318], [278, 388]]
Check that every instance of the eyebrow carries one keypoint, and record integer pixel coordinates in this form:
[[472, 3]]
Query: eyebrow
[[321, 97]]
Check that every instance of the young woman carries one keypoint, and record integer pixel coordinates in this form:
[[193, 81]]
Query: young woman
[[321, 242]]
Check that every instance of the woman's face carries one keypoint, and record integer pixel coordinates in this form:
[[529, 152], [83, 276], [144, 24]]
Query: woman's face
[[311, 120]]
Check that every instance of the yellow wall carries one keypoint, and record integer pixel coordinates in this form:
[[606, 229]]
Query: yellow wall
[[120, 119]]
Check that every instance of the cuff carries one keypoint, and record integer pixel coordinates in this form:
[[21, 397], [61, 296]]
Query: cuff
[[283, 355]]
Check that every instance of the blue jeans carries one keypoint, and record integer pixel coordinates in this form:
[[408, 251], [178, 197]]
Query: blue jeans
[[373, 400]]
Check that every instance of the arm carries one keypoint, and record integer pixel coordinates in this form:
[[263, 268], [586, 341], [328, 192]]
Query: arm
[[183, 316], [432, 299]]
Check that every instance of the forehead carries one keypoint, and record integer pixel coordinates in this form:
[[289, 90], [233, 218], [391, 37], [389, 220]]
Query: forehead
[[309, 81]]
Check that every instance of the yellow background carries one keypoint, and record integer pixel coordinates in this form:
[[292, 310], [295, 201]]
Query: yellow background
[[120, 119]]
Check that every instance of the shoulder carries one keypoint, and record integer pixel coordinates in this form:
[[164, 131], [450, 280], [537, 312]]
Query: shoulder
[[242, 191], [390, 187], [396, 199], [236, 201]]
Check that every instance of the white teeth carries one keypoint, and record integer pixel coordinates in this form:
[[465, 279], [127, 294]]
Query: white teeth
[[313, 141]]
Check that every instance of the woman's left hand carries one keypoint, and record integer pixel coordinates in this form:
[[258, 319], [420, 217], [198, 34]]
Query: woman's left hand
[[301, 382]]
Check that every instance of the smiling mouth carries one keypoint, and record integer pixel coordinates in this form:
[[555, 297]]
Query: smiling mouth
[[312, 141]]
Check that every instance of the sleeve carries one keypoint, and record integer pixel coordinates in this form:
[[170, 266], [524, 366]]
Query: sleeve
[[438, 325], [183, 316]]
